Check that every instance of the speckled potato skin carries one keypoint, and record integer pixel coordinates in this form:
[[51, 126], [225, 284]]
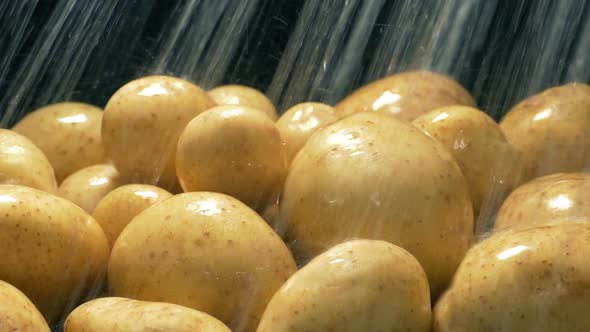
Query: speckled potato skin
[[89, 185], [233, 150], [17, 313], [68, 134], [300, 122], [141, 125], [530, 280], [487, 160], [116, 314], [406, 95], [117, 208], [360, 285], [23, 163], [373, 176], [205, 251], [546, 199], [551, 130], [245, 96], [52, 250]]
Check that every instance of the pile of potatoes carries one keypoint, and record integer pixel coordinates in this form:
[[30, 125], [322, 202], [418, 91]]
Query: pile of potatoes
[[401, 208]]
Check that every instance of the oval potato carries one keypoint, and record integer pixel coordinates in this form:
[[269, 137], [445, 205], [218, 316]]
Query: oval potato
[[533, 279], [52, 250], [374, 176], [18, 313], [23, 163], [115, 314], [406, 95], [89, 185], [205, 251], [141, 125], [360, 285], [234, 94], [68, 134]]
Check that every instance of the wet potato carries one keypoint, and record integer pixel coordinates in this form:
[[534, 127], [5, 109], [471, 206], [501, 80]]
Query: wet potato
[[52, 250], [405, 95], [545, 200], [68, 134], [241, 95], [551, 130], [115, 314], [360, 285], [23, 163], [17, 313], [205, 251], [376, 177], [141, 125]]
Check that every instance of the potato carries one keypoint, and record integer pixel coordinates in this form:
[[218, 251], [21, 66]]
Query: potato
[[206, 251], [141, 125], [487, 160], [373, 176], [117, 208], [300, 122], [546, 199], [23, 163], [233, 150], [17, 313], [52, 250], [534, 279], [360, 285], [116, 314], [89, 185], [68, 134], [244, 96], [551, 130], [406, 95]]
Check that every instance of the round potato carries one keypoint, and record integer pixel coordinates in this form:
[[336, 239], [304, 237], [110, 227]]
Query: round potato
[[206, 251], [546, 199], [534, 279], [23, 163], [17, 313], [373, 176], [89, 185], [68, 134], [52, 250], [116, 314], [245, 96], [117, 208], [141, 125], [551, 130], [406, 95], [360, 285], [485, 157], [233, 150], [300, 122]]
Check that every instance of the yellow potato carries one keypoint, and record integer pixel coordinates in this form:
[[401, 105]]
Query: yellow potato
[[89, 185], [116, 314], [373, 176], [300, 122], [142, 123], [360, 285], [485, 157], [68, 134], [244, 96], [52, 250], [17, 313], [406, 95], [117, 208], [551, 130], [23, 163], [546, 199], [205, 251], [233, 150], [534, 279]]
